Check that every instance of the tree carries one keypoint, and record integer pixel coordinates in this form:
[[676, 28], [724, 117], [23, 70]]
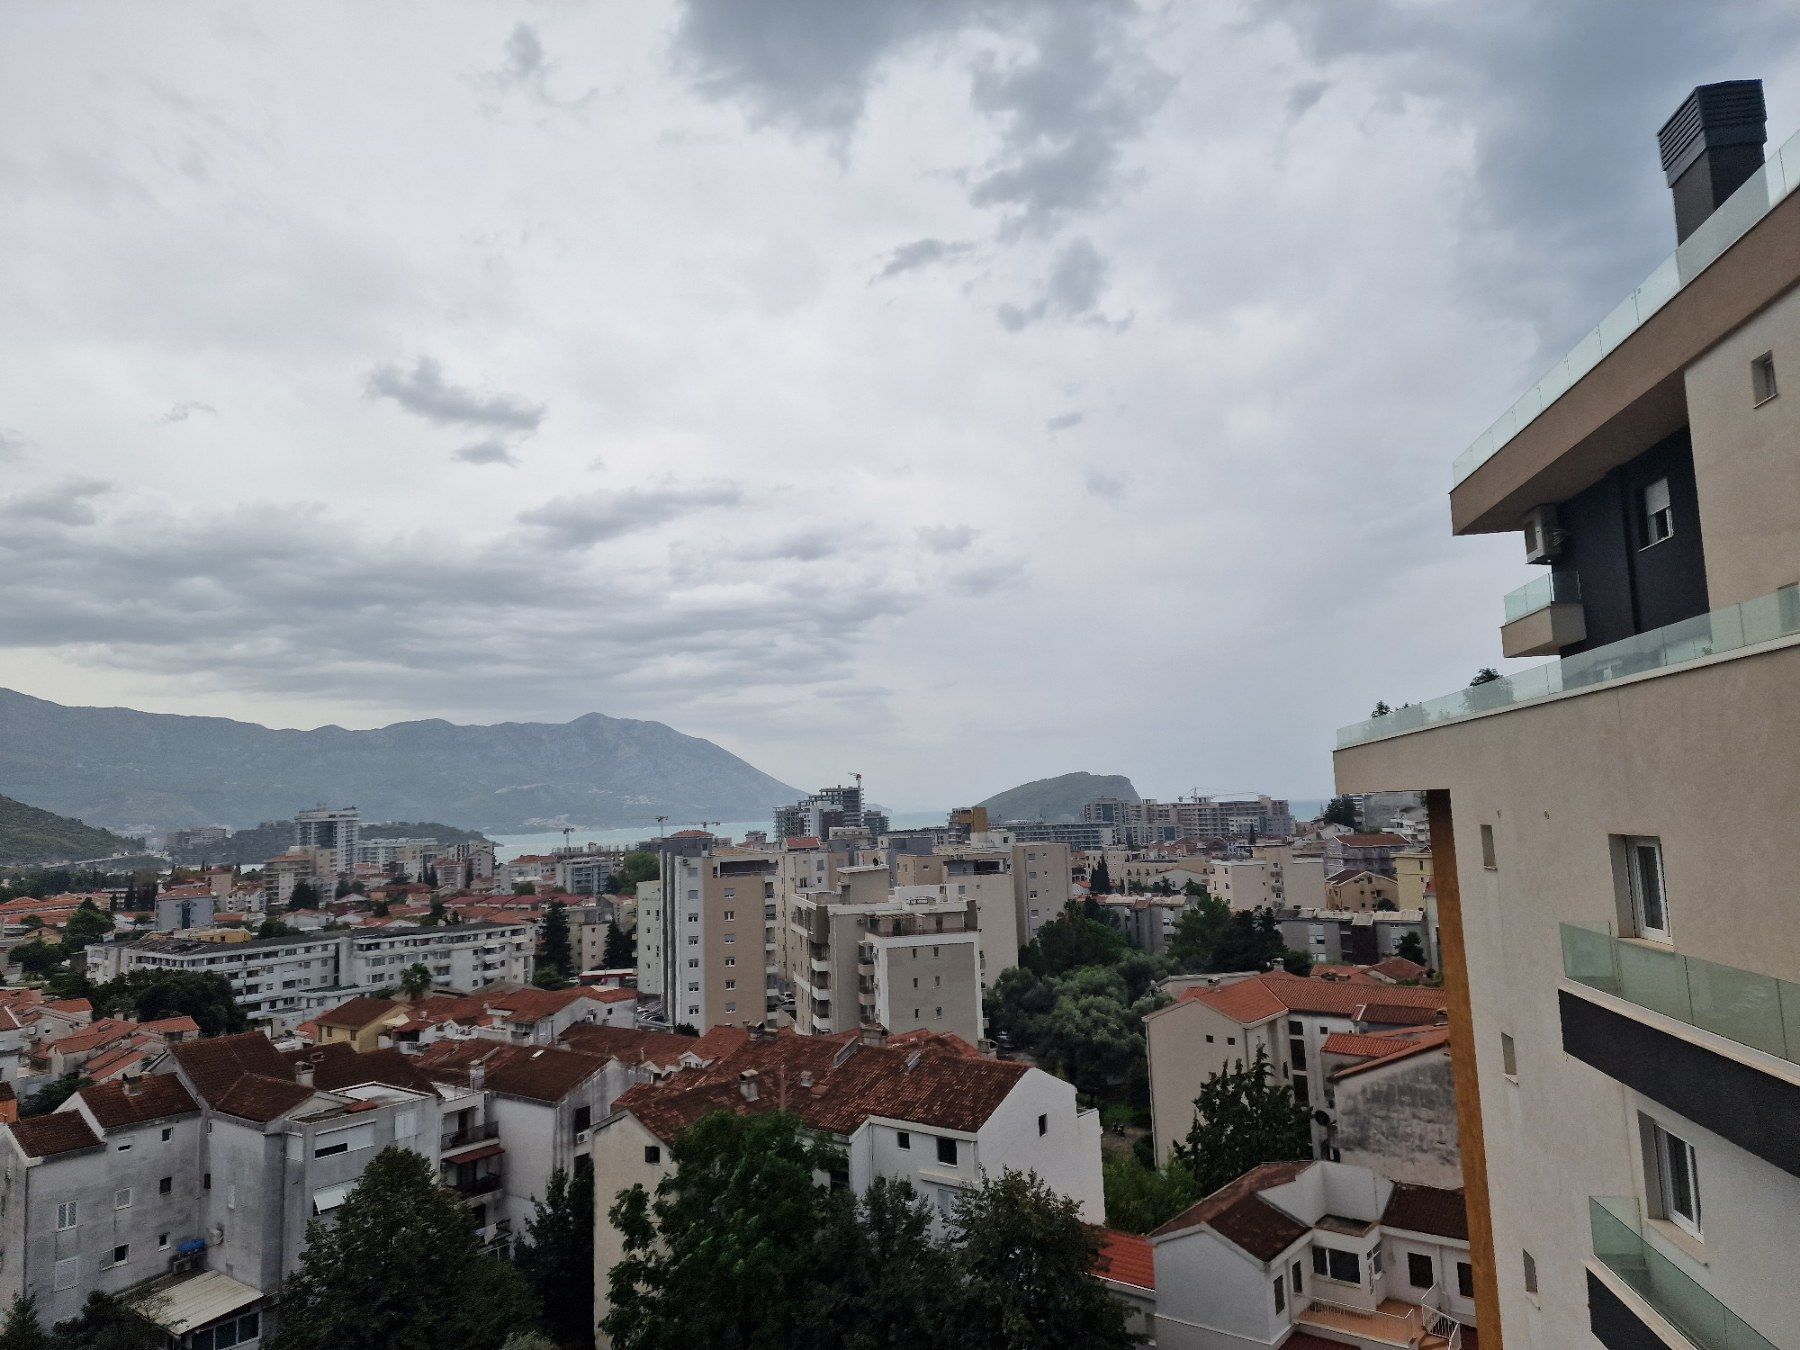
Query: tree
[[273, 927], [1386, 906], [37, 956], [559, 954], [638, 866], [429, 876], [304, 896], [1252, 942], [725, 1253], [21, 1330], [1381, 709], [1340, 811], [439, 912], [149, 995], [1410, 948], [1072, 939], [1100, 879], [1297, 963], [885, 1286], [1140, 1197], [1083, 1024], [524, 888], [1027, 1265], [620, 951], [400, 1268], [416, 981], [53, 1094], [112, 1322], [1243, 1118], [1486, 675], [343, 888], [1198, 933], [558, 1262]]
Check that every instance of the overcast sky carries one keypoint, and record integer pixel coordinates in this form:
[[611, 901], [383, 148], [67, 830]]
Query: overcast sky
[[955, 392]]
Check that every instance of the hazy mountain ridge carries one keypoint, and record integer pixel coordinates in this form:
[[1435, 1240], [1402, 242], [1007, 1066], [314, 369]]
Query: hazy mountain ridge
[[29, 834], [1059, 798], [158, 770]]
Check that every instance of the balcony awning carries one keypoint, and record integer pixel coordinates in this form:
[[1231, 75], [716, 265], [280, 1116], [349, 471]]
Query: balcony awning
[[194, 1301], [328, 1198], [477, 1154]]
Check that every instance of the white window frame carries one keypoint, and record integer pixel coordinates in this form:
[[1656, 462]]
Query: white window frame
[[68, 1214], [1659, 520], [1675, 1159], [1635, 847]]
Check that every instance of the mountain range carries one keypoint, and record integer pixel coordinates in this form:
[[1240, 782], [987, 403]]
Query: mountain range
[[137, 771], [31, 835], [1060, 798]]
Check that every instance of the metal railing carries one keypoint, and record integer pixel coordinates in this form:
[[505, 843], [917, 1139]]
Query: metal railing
[[1760, 193], [475, 1185], [1620, 1245], [1768, 618], [1759, 1011], [474, 1134], [1552, 588]]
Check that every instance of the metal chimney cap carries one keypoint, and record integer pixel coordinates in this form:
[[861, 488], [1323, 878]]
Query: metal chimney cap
[[1728, 113]]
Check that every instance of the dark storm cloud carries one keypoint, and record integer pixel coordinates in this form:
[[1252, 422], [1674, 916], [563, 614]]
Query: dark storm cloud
[[424, 392], [588, 518], [66, 503]]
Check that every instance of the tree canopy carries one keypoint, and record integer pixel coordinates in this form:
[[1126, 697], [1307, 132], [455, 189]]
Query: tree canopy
[[558, 959], [1070, 940], [637, 866], [1243, 1118], [398, 1267], [1411, 948], [1340, 811], [620, 951], [152, 994], [557, 1258]]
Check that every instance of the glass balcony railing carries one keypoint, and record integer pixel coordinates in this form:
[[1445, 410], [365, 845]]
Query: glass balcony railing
[[1552, 588], [1765, 619], [1779, 176], [1759, 1011], [1620, 1245]]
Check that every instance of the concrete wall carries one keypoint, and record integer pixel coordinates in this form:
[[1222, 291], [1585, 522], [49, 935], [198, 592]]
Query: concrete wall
[[1400, 1120], [1182, 1059]]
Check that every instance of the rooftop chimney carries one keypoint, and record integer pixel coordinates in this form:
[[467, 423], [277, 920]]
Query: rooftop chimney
[[747, 1084], [1710, 146], [303, 1072]]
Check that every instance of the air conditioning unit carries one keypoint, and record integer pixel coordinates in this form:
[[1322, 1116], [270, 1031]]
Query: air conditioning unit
[[1543, 537], [582, 1137]]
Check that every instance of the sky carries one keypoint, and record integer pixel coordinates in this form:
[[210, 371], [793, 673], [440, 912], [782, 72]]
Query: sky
[[958, 392]]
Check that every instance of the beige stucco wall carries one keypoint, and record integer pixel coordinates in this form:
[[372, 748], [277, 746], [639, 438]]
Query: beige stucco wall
[[1182, 1059]]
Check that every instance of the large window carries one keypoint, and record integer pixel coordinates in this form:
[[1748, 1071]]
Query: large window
[[1336, 1264], [1676, 1177], [1420, 1272], [946, 1151], [1649, 898], [1659, 517]]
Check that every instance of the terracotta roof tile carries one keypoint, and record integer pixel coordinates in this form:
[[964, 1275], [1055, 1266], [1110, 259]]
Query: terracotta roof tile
[[663, 1049], [357, 1013], [152, 1097], [541, 1073], [1399, 968], [58, 1132], [1237, 1212], [215, 1064], [1125, 1258], [337, 1066], [1403, 1047], [1427, 1209], [257, 1097]]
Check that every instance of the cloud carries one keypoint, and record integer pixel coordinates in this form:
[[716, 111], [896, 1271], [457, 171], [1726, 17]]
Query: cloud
[[490, 451], [1064, 421], [589, 518], [1107, 485], [524, 68], [424, 392], [920, 253], [13, 443], [947, 538], [66, 503], [1072, 291], [186, 409]]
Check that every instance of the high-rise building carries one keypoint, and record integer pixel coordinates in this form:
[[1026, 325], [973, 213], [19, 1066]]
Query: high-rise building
[[1610, 830], [817, 815], [332, 830]]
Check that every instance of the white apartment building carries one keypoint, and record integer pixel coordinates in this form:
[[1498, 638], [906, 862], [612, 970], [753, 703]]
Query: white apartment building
[[922, 1108], [333, 831], [283, 981]]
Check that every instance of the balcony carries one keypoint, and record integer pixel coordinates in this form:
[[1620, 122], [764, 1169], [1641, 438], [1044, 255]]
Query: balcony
[[1779, 176], [1759, 1011], [1543, 616], [1620, 1246], [1767, 619], [474, 1134], [470, 1186]]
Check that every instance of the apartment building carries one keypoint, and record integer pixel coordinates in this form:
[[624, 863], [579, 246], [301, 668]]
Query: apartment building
[[1623, 986], [1296, 875], [982, 879], [1148, 921], [1212, 1027], [1313, 1255], [333, 832], [1364, 853], [1242, 883], [1359, 890], [820, 813], [1357, 937], [718, 937], [923, 1108], [1223, 816], [282, 981]]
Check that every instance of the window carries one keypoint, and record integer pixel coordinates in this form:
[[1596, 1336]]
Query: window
[[584, 1117], [122, 1198], [1043, 1124], [1509, 1057], [1465, 1279], [730, 914], [1302, 1093], [903, 1139], [1336, 1264], [1487, 848], [1420, 1273], [1294, 1276], [1762, 378], [653, 1154], [168, 1134], [65, 1216], [1659, 520], [1209, 1039], [1530, 1264], [121, 1254], [1649, 900], [1296, 1027], [1280, 1287], [162, 1242], [66, 1272], [1297, 1052], [1676, 1177], [1231, 1040], [946, 1151]]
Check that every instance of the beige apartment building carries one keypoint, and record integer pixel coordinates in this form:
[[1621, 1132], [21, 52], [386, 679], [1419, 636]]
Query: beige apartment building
[[1360, 892], [1611, 829], [718, 937], [1412, 878], [1296, 875]]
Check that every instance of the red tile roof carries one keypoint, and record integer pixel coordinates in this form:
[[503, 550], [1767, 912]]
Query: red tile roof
[[152, 1097], [1246, 1001], [1402, 1047], [357, 1013], [540, 1073], [337, 1066], [1427, 1209], [1125, 1258], [94, 1034], [58, 1132], [1237, 1212], [663, 1049], [242, 1075], [1264, 996], [1399, 968], [833, 1083]]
